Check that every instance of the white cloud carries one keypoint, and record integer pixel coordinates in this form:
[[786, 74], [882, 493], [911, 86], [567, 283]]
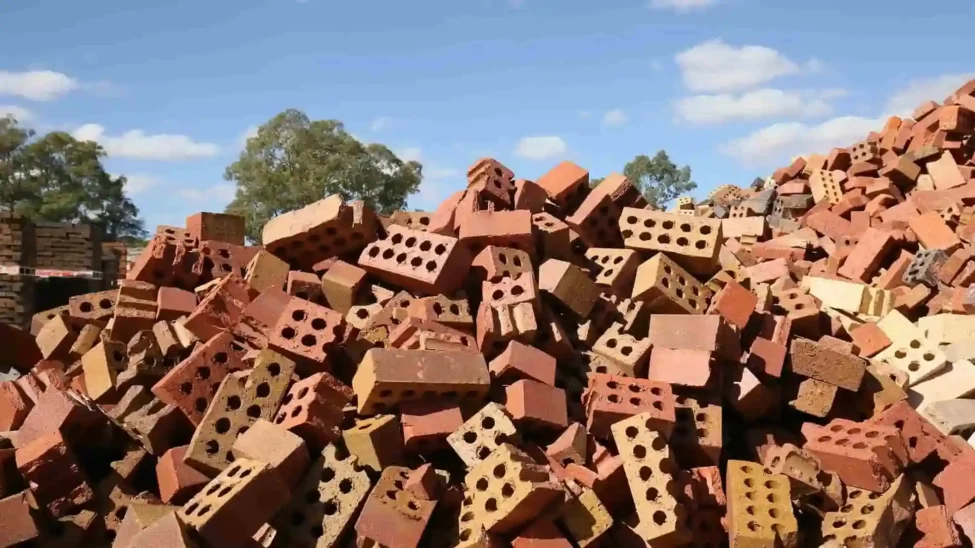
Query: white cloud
[[248, 133], [409, 154], [615, 118], [938, 88], [773, 145], [540, 148], [18, 113], [682, 6], [137, 183], [379, 123], [218, 194], [139, 145], [36, 85], [715, 67], [753, 105]]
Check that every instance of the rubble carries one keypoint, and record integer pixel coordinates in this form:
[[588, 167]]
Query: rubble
[[788, 364]]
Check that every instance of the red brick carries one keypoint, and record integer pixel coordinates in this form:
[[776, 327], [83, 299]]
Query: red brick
[[683, 367], [868, 254], [767, 356], [933, 233], [956, 482], [426, 424], [18, 524], [734, 303], [869, 340], [178, 482], [520, 361], [54, 475], [533, 404]]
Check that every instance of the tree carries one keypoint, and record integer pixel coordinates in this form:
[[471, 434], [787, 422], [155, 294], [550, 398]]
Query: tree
[[294, 161], [57, 178], [658, 178]]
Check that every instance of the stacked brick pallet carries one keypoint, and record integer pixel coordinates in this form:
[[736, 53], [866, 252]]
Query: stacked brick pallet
[[67, 246], [15, 238], [533, 363]]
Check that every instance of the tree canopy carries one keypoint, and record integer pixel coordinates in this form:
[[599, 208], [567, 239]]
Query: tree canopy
[[293, 161], [57, 178], [658, 178]]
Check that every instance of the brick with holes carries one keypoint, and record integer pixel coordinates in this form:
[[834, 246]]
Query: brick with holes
[[498, 228], [190, 385], [377, 441], [667, 288], [696, 437], [452, 312], [650, 467], [236, 503], [921, 437], [93, 306], [629, 352], [809, 483], [498, 324], [284, 451], [553, 237], [493, 181], [172, 264], [691, 241], [416, 220], [616, 268], [157, 426], [383, 380], [312, 408], [609, 399], [759, 507], [597, 221], [494, 262], [391, 515], [308, 333], [418, 261], [871, 519], [513, 290], [243, 398], [481, 434], [508, 490], [324, 229], [864, 455], [325, 502]]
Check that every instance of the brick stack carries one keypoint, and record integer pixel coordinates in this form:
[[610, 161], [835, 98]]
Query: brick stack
[[15, 248], [533, 363], [67, 246]]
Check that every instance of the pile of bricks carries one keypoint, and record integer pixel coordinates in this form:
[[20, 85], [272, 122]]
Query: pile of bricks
[[16, 236], [67, 246], [532, 364]]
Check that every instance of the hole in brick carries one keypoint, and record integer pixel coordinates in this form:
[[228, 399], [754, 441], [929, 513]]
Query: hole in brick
[[318, 324], [626, 350], [201, 404], [928, 356], [222, 425], [482, 484], [639, 451], [913, 367], [440, 249], [263, 390], [233, 403], [491, 505], [186, 388], [859, 524], [614, 398], [309, 340], [401, 258], [288, 333], [483, 453], [212, 448], [431, 266], [330, 508], [663, 238], [842, 442], [388, 254], [470, 437], [500, 471]]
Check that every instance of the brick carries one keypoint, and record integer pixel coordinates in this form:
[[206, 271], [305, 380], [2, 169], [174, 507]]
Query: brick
[[381, 381], [219, 227], [815, 361], [425, 483], [58, 411], [937, 528], [312, 408], [646, 460], [178, 482], [419, 261], [319, 231], [568, 286], [667, 288], [933, 233], [566, 185], [242, 399], [520, 361], [266, 271], [871, 249], [392, 515], [377, 442], [285, 452], [609, 399], [954, 480], [307, 333], [878, 519], [481, 434], [691, 241], [220, 310], [168, 530], [572, 446], [536, 405], [53, 474], [709, 333], [19, 523], [426, 424], [734, 303], [770, 520], [866, 456], [234, 505], [14, 406], [682, 367]]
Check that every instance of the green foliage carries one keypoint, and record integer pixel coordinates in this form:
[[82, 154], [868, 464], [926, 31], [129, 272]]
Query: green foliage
[[57, 178], [658, 178], [294, 161]]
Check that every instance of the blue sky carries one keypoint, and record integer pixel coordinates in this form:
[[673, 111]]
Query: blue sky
[[732, 87]]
